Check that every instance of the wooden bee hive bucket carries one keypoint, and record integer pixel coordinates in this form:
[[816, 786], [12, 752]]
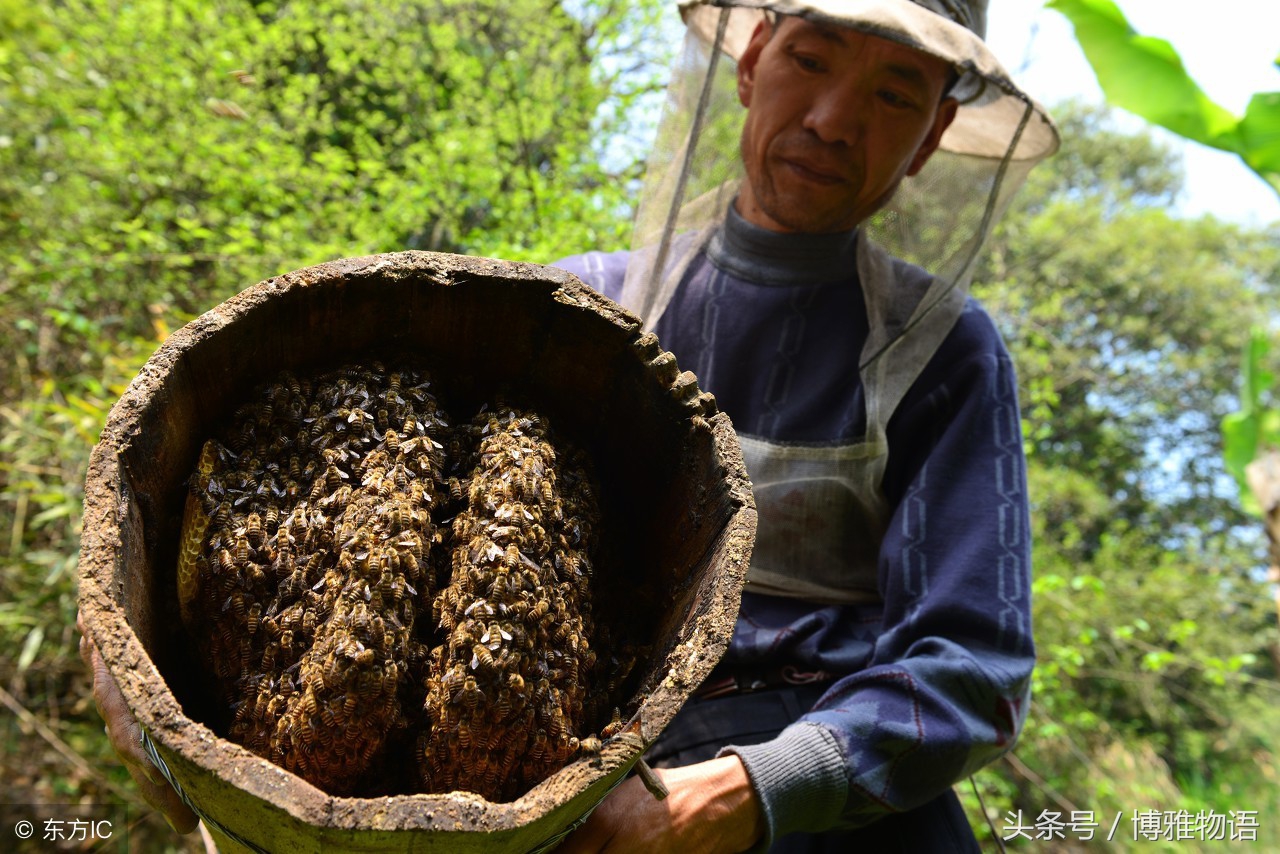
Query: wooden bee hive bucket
[[672, 484]]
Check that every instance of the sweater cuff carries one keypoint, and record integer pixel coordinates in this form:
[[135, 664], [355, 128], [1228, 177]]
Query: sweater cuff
[[800, 778]]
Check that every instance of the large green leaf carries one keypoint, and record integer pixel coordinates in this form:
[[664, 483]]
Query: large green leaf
[[1253, 426], [1145, 75], [1260, 135]]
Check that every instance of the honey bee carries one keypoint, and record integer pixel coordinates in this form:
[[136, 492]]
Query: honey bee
[[390, 680], [452, 682], [338, 499], [308, 708], [502, 706], [590, 746], [333, 477], [494, 635], [470, 693], [254, 575], [614, 726], [241, 550], [331, 674], [540, 748], [563, 632], [222, 515], [235, 603]]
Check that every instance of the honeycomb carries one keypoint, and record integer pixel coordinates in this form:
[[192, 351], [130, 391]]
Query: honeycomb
[[507, 690], [357, 574]]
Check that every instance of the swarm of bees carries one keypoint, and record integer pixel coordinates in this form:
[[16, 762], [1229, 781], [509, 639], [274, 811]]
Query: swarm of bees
[[508, 686], [339, 612]]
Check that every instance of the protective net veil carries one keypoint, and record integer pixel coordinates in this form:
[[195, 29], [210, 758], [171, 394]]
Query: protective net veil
[[936, 221]]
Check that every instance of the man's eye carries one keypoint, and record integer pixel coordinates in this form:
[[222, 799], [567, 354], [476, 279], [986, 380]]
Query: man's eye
[[808, 63], [894, 99]]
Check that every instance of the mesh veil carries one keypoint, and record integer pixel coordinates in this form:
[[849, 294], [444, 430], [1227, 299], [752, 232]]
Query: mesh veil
[[937, 220]]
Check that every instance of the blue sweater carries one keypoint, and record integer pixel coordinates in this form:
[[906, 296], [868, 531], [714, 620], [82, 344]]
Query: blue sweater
[[936, 677]]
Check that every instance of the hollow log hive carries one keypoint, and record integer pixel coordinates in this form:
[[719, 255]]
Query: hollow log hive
[[312, 542]]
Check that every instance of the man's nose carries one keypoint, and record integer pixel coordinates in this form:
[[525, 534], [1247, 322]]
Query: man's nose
[[837, 115]]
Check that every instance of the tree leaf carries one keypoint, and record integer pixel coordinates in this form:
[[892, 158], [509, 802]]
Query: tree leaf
[[1145, 76], [1243, 431], [30, 648], [1260, 134]]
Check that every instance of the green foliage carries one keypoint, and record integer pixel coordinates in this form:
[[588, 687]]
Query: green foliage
[[1127, 321], [156, 156], [1158, 648], [175, 152], [45, 439], [1145, 75], [1253, 427]]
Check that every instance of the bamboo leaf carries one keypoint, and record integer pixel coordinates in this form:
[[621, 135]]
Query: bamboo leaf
[[30, 648], [1243, 432], [1145, 76], [1260, 133]]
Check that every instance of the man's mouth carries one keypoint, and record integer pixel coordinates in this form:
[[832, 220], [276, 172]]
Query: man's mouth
[[813, 172]]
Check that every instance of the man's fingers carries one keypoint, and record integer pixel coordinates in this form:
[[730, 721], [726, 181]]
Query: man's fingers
[[122, 729], [162, 797], [598, 832], [593, 836], [125, 736], [86, 645]]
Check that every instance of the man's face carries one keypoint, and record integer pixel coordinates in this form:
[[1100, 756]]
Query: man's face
[[835, 120]]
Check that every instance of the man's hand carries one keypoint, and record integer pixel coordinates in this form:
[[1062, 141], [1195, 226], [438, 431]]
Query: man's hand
[[126, 738], [712, 808]]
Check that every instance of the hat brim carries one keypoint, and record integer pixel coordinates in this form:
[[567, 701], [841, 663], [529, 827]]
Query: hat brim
[[986, 123]]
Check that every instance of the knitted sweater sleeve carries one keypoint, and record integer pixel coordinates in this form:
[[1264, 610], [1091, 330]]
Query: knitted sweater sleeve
[[946, 689]]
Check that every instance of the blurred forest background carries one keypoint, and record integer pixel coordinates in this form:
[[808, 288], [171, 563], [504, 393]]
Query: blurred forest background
[[157, 156]]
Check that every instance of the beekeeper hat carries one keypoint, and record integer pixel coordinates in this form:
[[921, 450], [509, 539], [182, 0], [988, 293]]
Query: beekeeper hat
[[938, 219]]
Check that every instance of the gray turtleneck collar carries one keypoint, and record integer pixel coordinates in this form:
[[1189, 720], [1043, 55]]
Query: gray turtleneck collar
[[766, 257]]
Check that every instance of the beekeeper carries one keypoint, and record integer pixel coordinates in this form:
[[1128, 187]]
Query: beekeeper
[[809, 259]]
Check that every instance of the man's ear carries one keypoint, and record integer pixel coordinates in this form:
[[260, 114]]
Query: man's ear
[[941, 121], [747, 62]]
